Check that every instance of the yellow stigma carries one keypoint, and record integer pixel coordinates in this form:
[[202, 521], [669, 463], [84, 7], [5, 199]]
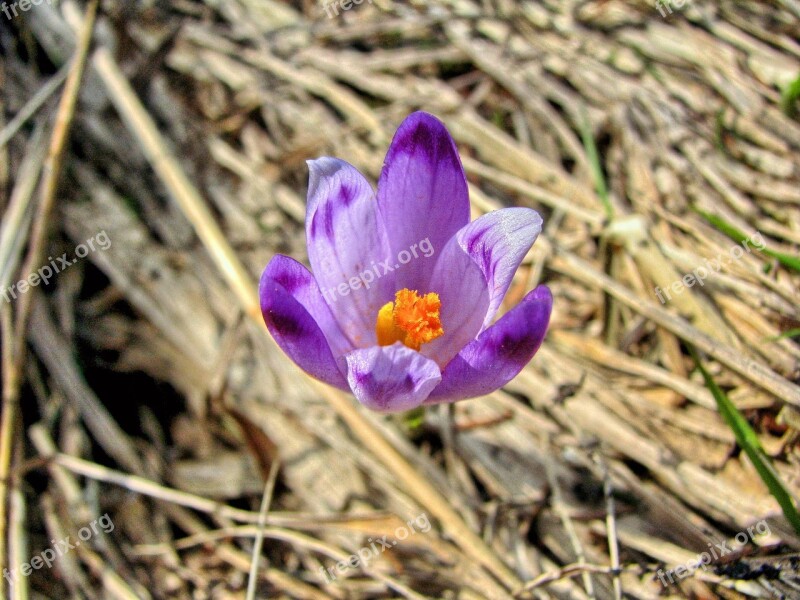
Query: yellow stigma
[[411, 319]]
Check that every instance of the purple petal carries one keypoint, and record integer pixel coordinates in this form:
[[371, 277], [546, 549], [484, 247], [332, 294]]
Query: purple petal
[[499, 353], [346, 245], [391, 378], [497, 242], [299, 320], [422, 194]]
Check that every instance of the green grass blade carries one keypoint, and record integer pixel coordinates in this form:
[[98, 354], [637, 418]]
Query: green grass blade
[[789, 97], [721, 224], [748, 441], [793, 262], [414, 419], [786, 334], [787, 260], [594, 162]]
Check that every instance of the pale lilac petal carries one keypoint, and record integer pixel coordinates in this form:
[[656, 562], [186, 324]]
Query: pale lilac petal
[[346, 246], [464, 298], [473, 272], [422, 194], [391, 378], [499, 353], [497, 242], [283, 290]]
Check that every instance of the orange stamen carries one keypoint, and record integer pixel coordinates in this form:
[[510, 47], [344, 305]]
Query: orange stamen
[[411, 319]]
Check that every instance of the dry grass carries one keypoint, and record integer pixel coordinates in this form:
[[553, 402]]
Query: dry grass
[[141, 382]]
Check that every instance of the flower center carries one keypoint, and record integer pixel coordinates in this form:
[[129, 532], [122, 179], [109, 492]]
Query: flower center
[[411, 319]]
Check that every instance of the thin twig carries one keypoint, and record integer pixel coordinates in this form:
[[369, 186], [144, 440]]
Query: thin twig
[[150, 488], [262, 520], [34, 104], [572, 570], [12, 374], [52, 165], [611, 525], [561, 509]]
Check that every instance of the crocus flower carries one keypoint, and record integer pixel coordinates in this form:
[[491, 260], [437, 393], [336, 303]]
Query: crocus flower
[[400, 306]]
